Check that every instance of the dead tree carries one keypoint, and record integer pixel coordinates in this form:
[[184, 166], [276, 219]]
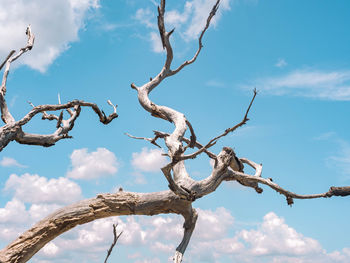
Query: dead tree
[[183, 190], [12, 130]]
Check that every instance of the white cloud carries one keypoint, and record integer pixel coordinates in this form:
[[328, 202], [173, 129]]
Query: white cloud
[[200, 10], [156, 42], [275, 237], [50, 249], [149, 160], [92, 165], [189, 23], [327, 85], [55, 23], [281, 63], [39, 211], [146, 17], [213, 224], [270, 241], [13, 212], [341, 160], [35, 189], [215, 83], [34, 198], [8, 162]]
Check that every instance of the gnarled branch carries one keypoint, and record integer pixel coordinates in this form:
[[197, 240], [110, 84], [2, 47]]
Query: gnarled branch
[[12, 130]]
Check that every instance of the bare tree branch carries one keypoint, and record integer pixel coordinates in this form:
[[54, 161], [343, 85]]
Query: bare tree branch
[[115, 239], [13, 129], [7, 58], [151, 140], [227, 131], [183, 189], [104, 205], [200, 45]]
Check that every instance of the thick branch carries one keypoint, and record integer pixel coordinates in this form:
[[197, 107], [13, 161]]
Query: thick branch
[[104, 205], [174, 140], [189, 225]]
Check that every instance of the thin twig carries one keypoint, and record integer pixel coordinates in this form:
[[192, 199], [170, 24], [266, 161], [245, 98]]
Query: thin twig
[[115, 239], [227, 131]]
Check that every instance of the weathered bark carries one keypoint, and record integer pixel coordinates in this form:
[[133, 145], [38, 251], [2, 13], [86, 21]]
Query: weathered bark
[[104, 205], [183, 189], [12, 130]]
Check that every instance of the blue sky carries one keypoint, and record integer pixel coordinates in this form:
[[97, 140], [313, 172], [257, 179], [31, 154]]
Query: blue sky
[[296, 53]]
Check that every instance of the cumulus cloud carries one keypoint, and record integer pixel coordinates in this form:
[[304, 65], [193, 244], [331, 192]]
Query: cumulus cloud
[[92, 165], [275, 237], [148, 160], [10, 162], [33, 198], [213, 224], [327, 85], [36, 189], [270, 241], [55, 23], [50, 249], [13, 212]]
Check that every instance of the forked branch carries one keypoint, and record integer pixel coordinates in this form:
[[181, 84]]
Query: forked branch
[[115, 239], [12, 130], [213, 141]]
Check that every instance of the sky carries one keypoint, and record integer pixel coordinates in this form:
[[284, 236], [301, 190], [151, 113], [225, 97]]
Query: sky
[[295, 53]]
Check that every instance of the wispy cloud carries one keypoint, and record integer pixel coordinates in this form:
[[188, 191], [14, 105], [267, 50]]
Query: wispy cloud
[[189, 22], [215, 83], [156, 42], [10, 162], [340, 159], [281, 63], [146, 17], [326, 85]]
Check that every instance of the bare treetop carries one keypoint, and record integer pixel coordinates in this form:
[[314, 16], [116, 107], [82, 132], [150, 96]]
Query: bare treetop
[[183, 189]]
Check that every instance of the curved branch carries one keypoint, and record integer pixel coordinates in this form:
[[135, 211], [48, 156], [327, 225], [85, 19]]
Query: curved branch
[[104, 205], [54, 107], [200, 45], [13, 131], [174, 140], [235, 175]]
